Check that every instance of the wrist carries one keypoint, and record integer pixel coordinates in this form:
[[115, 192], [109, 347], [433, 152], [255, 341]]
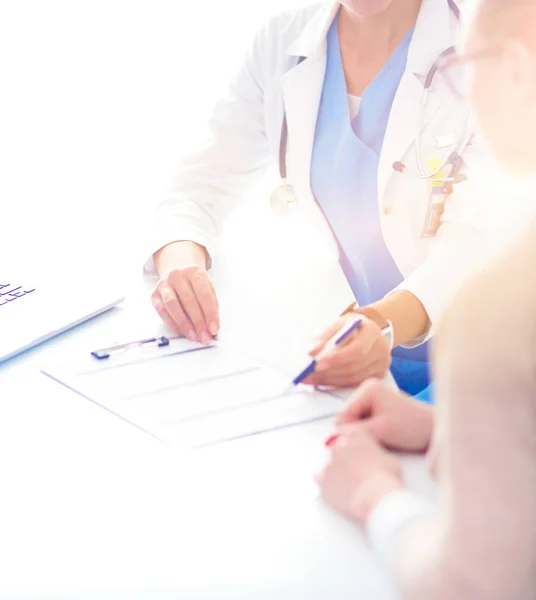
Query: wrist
[[373, 491], [374, 315], [180, 254]]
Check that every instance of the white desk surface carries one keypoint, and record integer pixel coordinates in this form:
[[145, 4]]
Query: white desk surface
[[90, 507]]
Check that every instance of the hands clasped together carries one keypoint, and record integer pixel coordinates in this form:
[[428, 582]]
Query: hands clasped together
[[360, 470]]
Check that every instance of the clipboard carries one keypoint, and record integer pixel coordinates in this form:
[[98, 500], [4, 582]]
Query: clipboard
[[191, 395]]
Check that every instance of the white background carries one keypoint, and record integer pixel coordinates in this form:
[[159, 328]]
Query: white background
[[98, 101]]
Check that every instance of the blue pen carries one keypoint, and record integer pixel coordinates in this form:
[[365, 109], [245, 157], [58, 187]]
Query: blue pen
[[335, 341]]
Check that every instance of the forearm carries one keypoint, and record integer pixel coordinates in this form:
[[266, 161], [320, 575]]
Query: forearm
[[179, 254], [427, 559], [408, 316], [404, 533], [473, 553], [426, 565]]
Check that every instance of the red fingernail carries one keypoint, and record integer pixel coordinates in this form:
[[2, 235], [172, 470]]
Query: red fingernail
[[331, 440]]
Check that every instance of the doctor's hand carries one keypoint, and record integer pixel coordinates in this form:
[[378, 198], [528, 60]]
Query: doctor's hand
[[392, 418], [359, 473], [185, 297], [366, 354]]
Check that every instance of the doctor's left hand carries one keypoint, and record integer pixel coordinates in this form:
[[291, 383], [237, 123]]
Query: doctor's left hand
[[365, 355]]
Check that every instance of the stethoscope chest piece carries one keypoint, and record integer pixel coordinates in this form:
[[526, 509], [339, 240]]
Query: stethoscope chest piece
[[282, 199]]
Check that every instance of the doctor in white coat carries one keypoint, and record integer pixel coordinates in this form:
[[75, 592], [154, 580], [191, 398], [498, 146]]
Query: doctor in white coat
[[332, 94]]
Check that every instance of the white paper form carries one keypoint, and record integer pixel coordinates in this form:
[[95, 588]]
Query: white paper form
[[191, 395]]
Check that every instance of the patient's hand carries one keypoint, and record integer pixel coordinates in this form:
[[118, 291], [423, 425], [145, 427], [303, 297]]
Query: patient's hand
[[359, 473], [394, 419]]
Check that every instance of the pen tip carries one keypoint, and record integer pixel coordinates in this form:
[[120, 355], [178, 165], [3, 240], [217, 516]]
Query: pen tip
[[288, 389]]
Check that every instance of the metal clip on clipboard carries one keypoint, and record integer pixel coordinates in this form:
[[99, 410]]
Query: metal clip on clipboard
[[105, 353]]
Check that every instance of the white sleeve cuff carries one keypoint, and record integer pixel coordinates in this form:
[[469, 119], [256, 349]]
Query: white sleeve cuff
[[168, 236], [390, 517], [426, 336]]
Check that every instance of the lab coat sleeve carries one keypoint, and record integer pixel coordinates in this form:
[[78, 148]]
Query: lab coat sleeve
[[464, 237], [211, 182]]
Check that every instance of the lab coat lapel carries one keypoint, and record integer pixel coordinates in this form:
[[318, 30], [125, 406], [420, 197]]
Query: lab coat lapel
[[433, 34], [402, 127], [302, 90]]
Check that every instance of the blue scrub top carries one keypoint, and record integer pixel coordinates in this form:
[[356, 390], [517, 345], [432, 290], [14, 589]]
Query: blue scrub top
[[344, 175]]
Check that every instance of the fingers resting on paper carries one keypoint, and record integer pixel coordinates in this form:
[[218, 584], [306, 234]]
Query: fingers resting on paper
[[186, 301]]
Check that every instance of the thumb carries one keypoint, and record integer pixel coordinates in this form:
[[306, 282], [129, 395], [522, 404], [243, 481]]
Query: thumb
[[320, 341], [362, 404], [358, 407]]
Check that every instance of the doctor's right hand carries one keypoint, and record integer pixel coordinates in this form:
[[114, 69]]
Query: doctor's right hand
[[365, 355], [185, 297]]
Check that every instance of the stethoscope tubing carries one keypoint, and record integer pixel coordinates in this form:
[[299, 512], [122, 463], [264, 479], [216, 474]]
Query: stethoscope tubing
[[421, 172]]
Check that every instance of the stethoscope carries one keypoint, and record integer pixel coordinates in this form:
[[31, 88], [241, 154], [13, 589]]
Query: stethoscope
[[457, 148], [283, 197]]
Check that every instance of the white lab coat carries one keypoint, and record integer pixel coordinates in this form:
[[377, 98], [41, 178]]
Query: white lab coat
[[245, 132]]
